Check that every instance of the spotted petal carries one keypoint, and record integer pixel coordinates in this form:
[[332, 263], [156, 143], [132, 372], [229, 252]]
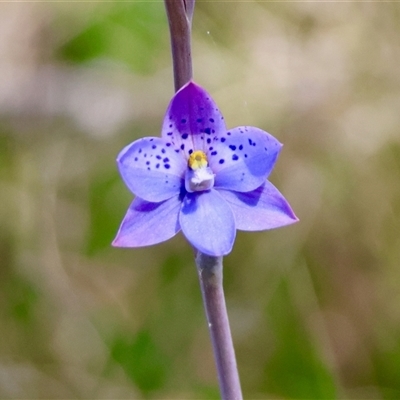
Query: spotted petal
[[151, 169], [260, 209], [148, 223], [208, 223], [192, 119], [243, 158]]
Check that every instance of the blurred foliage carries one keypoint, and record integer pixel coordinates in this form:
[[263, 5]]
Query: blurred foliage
[[125, 33], [314, 307], [102, 226], [142, 361], [295, 369]]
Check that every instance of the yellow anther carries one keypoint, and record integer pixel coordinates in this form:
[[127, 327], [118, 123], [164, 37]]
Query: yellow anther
[[197, 160]]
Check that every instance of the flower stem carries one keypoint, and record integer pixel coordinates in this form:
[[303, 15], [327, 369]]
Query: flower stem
[[210, 276], [180, 13]]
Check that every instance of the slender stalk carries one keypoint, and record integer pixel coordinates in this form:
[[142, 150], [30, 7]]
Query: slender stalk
[[189, 7], [180, 13], [210, 276]]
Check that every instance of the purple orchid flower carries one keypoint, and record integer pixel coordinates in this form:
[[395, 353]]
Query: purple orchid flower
[[200, 178]]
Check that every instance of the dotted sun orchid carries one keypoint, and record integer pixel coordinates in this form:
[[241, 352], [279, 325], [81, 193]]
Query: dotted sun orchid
[[201, 178]]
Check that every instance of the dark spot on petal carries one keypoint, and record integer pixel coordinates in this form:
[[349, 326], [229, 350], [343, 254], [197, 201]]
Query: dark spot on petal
[[167, 166], [190, 151], [221, 161], [208, 140], [223, 140], [169, 133], [208, 131], [199, 120], [235, 157], [250, 142], [212, 130], [140, 150], [157, 165], [147, 162], [166, 159], [214, 153], [136, 158], [210, 148], [163, 151], [185, 136], [158, 157], [245, 156], [232, 147], [183, 121], [228, 133], [241, 147], [168, 144], [170, 125], [182, 146], [211, 119]]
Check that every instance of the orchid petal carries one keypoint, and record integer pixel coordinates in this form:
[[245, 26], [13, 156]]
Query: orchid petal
[[243, 158], [260, 209], [148, 223], [151, 169], [208, 222], [192, 119]]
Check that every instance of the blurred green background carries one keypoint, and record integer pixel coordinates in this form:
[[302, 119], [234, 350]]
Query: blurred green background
[[314, 307]]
